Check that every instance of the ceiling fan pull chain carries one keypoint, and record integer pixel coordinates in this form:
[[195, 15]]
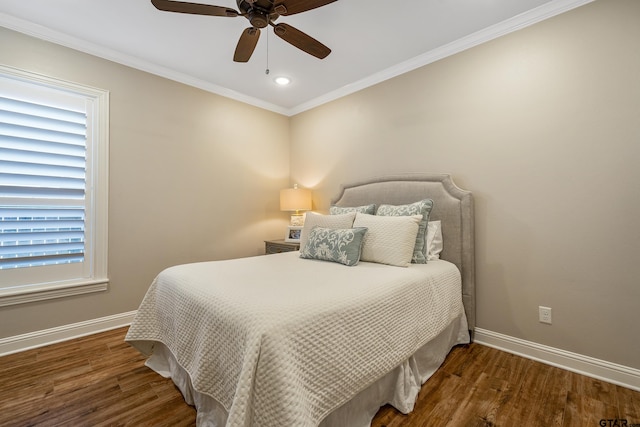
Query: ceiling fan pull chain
[[267, 70]]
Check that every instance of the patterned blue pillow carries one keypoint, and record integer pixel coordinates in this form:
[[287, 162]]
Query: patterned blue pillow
[[423, 207], [342, 245], [367, 209]]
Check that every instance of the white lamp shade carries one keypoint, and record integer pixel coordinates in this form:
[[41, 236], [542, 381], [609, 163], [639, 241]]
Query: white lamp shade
[[295, 199]]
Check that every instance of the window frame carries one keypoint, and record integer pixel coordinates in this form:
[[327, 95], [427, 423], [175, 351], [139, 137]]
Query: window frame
[[95, 278]]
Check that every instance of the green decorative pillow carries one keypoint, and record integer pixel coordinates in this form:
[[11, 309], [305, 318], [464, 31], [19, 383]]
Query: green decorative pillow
[[342, 245], [313, 219], [367, 209], [423, 207]]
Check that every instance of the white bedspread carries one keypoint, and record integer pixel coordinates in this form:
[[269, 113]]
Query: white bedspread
[[284, 341]]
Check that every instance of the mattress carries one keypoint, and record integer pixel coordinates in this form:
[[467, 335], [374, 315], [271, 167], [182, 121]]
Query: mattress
[[278, 340]]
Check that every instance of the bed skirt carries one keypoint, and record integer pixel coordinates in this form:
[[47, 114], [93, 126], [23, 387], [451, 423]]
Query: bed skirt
[[398, 388]]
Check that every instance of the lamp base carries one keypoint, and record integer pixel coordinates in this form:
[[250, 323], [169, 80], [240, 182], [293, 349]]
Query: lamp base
[[297, 220]]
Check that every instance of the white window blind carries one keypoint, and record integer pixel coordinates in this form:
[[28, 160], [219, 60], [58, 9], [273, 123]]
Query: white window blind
[[42, 162], [53, 195]]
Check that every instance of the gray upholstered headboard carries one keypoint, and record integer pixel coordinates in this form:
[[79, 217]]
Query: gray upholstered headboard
[[451, 205]]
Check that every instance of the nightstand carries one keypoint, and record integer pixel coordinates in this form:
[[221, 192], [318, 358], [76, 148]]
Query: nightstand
[[277, 246]]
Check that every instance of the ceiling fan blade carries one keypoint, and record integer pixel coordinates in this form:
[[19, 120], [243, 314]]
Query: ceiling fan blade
[[193, 8], [291, 7], [246, 44], [301, 40]]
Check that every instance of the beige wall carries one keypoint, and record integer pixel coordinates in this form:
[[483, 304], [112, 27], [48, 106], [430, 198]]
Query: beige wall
[[543, 125], [193, 176]]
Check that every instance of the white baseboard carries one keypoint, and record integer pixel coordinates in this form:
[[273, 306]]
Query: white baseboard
[[584, 365], [574, 362], [36, 339]]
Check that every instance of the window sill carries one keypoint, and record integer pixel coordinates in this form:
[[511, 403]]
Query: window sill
[[25, 294]]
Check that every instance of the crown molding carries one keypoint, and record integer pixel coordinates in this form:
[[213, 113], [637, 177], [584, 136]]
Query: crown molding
[[518, 22], [546, 11], [49, 35]]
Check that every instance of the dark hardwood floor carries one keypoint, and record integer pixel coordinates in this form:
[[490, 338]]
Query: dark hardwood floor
[[101, 381]]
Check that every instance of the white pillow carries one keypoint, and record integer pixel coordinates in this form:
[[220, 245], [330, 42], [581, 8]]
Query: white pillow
[[422, 207], [434, 240], [325, 221], [389, 239]]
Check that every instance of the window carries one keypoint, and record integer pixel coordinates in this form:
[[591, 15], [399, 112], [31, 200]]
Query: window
[[53, 187]]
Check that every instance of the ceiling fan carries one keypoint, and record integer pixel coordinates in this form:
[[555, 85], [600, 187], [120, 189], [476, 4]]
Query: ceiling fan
[[260, 13]]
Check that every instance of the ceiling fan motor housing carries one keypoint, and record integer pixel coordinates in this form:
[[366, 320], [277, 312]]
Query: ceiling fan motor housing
[[259, 12], [258, 19]]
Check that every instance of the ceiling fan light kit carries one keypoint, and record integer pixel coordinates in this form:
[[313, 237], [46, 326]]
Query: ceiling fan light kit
[[260, 13]]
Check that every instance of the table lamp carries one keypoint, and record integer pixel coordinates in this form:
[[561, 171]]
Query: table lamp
[[295, 199]]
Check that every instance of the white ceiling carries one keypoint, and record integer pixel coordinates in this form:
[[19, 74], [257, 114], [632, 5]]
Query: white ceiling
[[371, 41]]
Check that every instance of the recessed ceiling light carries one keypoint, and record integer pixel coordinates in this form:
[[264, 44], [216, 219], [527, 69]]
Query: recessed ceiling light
[[282, 81]]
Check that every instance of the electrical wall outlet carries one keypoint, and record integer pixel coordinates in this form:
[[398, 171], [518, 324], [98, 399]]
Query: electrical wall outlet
[[544, 314]]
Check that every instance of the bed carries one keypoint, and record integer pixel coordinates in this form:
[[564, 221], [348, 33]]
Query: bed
[[292, 339]]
